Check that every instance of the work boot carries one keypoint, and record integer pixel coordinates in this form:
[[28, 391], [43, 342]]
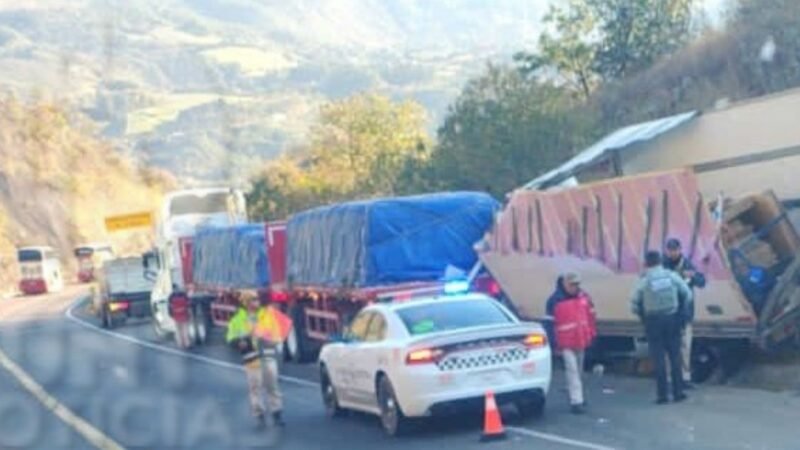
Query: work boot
[[277, 418]]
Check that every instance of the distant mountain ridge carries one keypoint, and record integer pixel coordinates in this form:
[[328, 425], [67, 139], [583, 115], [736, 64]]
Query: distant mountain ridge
[[205, 88]]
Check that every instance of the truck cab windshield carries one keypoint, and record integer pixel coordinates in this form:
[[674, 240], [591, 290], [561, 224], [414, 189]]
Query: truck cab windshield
[[29, 256], [195, 204]]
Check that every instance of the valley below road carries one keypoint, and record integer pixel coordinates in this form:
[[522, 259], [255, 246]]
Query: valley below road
[[66, 383]]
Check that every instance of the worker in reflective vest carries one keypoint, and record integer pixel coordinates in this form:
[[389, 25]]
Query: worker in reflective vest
[[255, 331], [574, 329], [179, 311]]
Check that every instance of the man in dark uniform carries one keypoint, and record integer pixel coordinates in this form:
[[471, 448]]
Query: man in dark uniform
[[675, 260], [662, 300]]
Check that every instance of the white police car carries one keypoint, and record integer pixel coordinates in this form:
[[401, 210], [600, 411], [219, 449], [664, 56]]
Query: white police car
[[434, 355]]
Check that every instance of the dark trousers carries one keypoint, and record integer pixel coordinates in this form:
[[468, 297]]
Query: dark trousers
[[664, 340]]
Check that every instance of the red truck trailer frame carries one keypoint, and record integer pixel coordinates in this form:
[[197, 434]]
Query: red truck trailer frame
[[222, 301], [317, 312]]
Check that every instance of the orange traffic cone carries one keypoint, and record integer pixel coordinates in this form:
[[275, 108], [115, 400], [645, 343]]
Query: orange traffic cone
[[492, 423]]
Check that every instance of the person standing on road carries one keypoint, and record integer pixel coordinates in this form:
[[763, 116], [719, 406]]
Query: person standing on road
[[254, 332], [574, 330], [662, 300], [675, 261], [179, 311]]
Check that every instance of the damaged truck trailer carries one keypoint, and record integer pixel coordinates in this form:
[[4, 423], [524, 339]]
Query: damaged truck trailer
[[746, 247]]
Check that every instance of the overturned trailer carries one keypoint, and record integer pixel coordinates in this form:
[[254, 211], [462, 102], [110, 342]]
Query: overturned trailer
[[603, 229]]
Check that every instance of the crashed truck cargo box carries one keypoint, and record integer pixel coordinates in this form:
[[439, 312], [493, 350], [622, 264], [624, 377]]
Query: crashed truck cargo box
[[758, 233], [756, 225], [387, 241], [230, 257], [602, 230]]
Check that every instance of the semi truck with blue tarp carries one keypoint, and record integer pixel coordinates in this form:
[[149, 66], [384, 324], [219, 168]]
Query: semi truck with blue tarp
[[230, 257], [218, 261], [323, 265], [344, 256]]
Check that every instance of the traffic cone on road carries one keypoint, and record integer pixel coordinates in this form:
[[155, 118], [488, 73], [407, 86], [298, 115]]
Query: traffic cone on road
[[492, 422]]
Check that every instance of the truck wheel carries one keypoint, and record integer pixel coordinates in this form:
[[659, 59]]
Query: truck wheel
[[105, 318], [298, 345], [161, 333], [290, 345], [705, 362], [200, 324]]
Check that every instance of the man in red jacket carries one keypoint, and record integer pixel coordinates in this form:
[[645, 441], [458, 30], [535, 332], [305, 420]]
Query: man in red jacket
[[574, 329]]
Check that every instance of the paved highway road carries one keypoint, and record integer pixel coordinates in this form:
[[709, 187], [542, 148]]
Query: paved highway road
[[139, 393]]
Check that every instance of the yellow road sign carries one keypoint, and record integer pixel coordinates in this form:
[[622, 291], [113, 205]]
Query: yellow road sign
[[126, 221]]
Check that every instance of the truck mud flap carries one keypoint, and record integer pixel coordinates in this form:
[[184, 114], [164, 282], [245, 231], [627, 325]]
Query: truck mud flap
[[780, 318]]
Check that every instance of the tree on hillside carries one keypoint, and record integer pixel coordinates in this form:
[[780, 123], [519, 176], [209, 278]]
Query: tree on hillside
[[757, 53], [363, 143], [592, 41], [636, 33], [503, 130], [569, 55], [768, 41], [280, 189], [362, 146]]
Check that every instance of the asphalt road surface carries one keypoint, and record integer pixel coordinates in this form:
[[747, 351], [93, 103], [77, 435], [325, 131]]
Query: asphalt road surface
[[100, 389]]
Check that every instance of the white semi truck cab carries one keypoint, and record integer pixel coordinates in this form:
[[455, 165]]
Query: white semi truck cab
[[182, 213]]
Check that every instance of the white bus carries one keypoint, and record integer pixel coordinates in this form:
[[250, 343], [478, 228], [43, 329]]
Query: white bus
[[90, 260], [40, 270]]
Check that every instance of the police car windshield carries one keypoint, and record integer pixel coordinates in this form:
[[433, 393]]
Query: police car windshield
[[451, 315]]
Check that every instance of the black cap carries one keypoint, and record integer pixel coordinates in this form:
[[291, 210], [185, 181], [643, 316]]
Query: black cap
[[673, 244], [652, 259]]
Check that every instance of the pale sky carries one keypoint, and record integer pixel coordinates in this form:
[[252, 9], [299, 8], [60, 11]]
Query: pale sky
[[716, 9]]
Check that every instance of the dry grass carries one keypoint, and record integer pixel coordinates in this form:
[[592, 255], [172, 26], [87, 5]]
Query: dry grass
[[251, 61], [722, 64], [58, 184], [146, 120], [168, 107]]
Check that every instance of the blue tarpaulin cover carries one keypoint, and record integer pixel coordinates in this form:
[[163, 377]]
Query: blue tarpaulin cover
[[385, 241], [231, 257]]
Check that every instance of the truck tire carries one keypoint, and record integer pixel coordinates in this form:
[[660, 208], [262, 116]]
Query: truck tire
[[105, 318], [200, 325], [160, 333], [705, 362], [299, 347]]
